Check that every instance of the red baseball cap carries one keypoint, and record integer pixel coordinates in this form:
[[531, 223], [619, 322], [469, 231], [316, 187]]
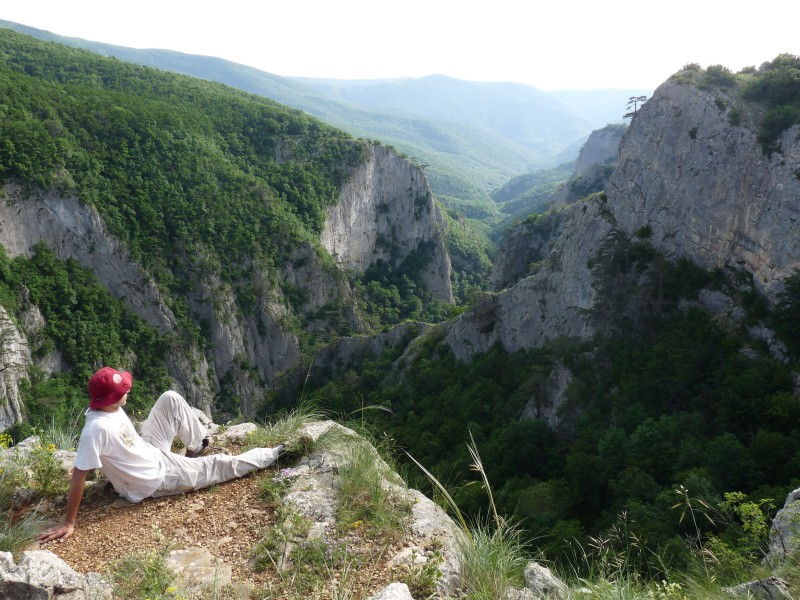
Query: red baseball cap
[[107, 386]]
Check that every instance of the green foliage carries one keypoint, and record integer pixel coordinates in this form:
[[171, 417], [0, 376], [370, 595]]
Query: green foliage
[[491, 549], [271, 489], [470, 251], [35, 468], [718, 76], [388, 296], [143, 575], [423, 577], [666, 398], [729, 538], [784, 318], [735, 116], [16, 536], [88, 326], [776, 85], [248, 179], [491, 560]]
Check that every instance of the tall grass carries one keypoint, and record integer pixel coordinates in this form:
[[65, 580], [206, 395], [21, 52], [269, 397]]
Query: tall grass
[[491, 552], [65, 434], [15, 537], [285, 429], [366, 495]]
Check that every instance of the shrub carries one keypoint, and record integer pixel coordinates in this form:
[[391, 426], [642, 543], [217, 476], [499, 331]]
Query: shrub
[[719, 77], [776, 85]]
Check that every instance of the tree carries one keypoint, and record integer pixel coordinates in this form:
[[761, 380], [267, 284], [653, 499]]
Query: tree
[[634, 102]]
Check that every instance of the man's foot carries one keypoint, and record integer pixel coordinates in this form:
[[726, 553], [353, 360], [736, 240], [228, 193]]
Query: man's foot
[[281, 450], [202, 451]]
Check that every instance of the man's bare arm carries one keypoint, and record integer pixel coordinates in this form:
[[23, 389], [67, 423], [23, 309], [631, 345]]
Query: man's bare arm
[[63, 530]]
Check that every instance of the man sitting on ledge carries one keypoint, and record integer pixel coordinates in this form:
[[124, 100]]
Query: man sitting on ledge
[[141, 466]]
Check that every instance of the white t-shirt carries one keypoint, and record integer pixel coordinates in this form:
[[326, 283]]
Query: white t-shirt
[[110, 443]]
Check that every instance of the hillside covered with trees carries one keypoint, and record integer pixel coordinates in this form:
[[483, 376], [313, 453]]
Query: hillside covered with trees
[[185, 174]]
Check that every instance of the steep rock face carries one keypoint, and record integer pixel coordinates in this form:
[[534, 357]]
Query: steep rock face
[[386, 212], [322, 285], [524, 248], [703, 186], [526, 245], [544, 405], [601, 147], [14, 361], [593, 167], [706, 188], [74, 230], [247, 350], [551, 303]]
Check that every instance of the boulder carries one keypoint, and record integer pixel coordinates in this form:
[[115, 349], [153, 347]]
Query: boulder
[[234, 434], [784, 539], [773, 588], [541, 581], [41, 575]]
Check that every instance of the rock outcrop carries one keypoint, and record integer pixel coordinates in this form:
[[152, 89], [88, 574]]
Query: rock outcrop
[[702, 188], [784, 538], [313, 495], [14, 361], [41, 575], [601, 147], [706, 187], [593, 167], [772, 588], [386, 212]]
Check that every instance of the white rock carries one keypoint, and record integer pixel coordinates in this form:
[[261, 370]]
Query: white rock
[[394, 591]]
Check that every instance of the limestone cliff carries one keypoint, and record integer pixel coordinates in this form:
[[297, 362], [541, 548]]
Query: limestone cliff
[[529, 243], [14, 361], [706, 187], [386, 212], [74, 230], [702, 185], [594, 166]]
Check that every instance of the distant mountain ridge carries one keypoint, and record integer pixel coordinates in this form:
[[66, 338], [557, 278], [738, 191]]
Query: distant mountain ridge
[[472, 137]]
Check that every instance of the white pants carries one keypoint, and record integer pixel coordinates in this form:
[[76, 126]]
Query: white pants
[[171, 417]]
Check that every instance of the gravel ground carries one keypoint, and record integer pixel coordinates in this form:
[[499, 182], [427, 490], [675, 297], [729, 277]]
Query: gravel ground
[[227, 519]]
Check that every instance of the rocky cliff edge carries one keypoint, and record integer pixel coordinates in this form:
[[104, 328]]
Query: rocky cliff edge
[[701, 186]]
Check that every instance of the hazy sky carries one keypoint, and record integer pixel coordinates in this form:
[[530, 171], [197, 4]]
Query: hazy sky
[[555, 44]]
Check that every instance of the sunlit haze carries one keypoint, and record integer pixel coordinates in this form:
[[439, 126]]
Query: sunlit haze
[[550, 45]]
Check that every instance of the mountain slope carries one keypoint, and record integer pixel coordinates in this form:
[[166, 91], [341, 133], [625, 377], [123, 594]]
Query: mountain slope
[[538, 120], [191, 232], [501, 130]]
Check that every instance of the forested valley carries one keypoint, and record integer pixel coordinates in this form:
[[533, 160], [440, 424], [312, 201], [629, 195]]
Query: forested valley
[[667, 396]]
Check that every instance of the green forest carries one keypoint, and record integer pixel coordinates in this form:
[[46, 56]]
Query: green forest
[[675, 401], [184, 173]]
